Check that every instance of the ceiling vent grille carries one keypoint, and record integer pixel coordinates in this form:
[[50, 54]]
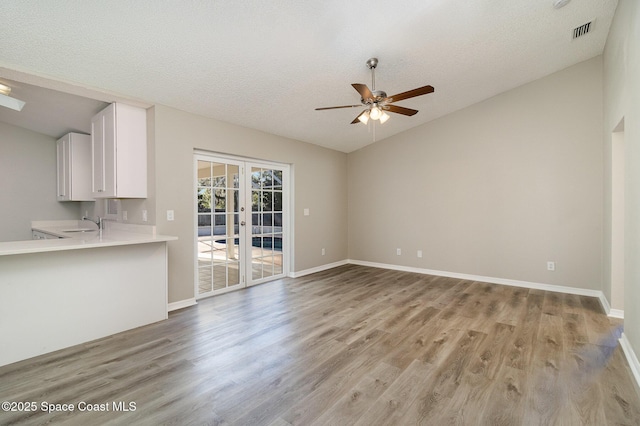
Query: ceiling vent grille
[[582, 29]]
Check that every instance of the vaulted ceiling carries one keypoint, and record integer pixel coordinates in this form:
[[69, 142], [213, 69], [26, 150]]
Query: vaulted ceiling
[[268, 64]]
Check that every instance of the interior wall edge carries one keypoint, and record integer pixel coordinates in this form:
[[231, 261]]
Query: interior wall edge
[[632, 359]]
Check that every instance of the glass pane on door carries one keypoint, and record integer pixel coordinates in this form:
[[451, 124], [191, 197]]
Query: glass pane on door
[[218, 229], [266, 223]]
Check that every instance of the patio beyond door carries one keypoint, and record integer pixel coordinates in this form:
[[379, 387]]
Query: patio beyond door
[[241, 216]]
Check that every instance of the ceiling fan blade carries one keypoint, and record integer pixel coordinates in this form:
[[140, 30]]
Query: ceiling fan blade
[[344, 106], [400, 110], [410, 94], [357, 119], [363, 90]]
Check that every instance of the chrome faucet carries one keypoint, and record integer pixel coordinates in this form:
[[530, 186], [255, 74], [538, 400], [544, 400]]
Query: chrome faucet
[[97, 222]]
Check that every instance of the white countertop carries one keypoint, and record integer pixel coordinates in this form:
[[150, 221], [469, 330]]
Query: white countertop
[[114, 234]]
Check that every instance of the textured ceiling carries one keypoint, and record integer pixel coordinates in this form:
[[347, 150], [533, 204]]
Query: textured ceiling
[[267, 64]]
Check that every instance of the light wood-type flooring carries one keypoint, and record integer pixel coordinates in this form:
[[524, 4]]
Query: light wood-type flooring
[[349, 346]]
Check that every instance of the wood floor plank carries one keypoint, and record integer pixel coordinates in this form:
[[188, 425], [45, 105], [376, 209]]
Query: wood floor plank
[[619, 391], [350, 345], [355, 403], [507, 400], [546, 392], [523, 344], [390, 407]]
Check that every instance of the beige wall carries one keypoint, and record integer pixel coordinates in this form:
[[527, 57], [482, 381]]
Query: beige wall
[[622, 101], [496, 189], [28, 183], [319, 177]]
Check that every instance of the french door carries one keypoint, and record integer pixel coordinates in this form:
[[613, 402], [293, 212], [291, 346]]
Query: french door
[[241, 223]]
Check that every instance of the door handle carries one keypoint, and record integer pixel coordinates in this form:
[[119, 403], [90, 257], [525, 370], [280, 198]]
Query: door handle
[[242, 223]]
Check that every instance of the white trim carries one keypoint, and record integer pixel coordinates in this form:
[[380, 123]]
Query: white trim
[[632, 359], [613, 313], [174, 306], [616, 313], [298, 274], [222, 155], [605, 304], [493, 280]]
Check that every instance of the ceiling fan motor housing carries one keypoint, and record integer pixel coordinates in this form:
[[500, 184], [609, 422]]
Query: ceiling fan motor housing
[[378, 96]]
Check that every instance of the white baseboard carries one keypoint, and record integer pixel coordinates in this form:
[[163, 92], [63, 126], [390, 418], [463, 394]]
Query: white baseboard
[[492, 280], [174, 306], [632, 359], [320, 268], [613, 313], [605, 303], [616, 313]]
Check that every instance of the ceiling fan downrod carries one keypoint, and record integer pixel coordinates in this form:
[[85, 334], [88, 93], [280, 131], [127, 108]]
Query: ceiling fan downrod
[[372, 63]]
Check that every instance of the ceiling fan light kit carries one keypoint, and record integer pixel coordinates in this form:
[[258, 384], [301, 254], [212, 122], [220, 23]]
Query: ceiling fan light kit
[[377, 103], [375, 113], [364, 117]]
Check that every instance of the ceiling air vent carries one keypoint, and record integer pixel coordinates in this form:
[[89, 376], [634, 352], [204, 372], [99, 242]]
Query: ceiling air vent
[[582, 29]]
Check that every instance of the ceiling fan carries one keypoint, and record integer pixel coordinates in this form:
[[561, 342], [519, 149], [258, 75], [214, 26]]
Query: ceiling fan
[[377, 102]]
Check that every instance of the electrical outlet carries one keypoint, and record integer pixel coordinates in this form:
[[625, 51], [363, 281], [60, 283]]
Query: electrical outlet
[[170, 215], [144, 216], [551, 266], [124, 215], [398, 252], [420, 253], [323, 252]]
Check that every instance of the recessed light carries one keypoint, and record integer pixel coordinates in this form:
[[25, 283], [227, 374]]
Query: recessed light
[[560, 3]]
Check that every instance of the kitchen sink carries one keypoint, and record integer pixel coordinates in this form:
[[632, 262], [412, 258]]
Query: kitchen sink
[[79, 230]]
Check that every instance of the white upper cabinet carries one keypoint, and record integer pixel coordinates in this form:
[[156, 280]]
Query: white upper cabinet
[[74, 167], [119, 152]]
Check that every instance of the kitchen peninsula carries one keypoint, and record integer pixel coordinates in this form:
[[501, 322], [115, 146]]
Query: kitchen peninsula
[[84, 285]]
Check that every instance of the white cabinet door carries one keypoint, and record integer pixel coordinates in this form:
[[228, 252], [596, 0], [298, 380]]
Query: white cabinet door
[[74, 167], [98, 155], [62, 146], [119, 146]]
